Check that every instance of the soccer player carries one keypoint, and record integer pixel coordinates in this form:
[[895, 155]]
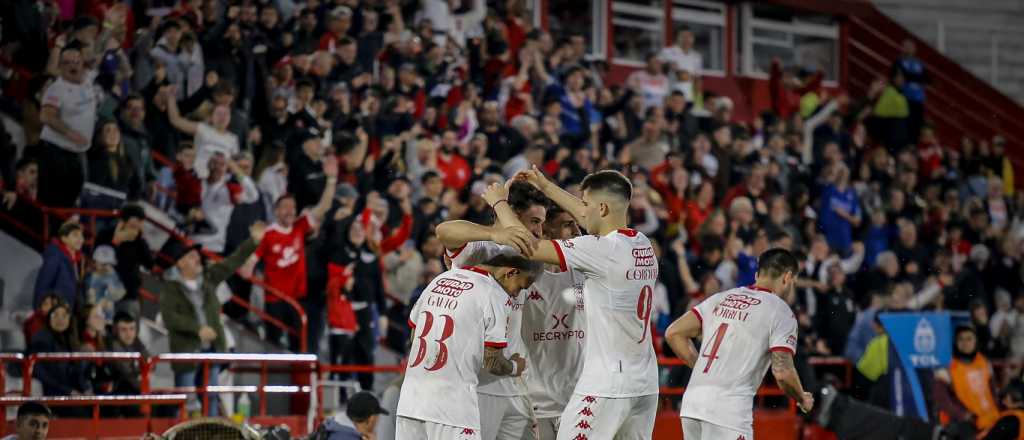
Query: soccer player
[[459, 326], [743, 330], [617, 393], [553, 331], [504, 410]]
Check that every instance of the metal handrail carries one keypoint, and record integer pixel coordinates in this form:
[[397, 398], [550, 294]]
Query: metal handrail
[[95, 402], [100, 357]]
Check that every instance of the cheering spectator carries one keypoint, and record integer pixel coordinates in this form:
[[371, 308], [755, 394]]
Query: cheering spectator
[[62, 266], [69, 118], [840, 211], [681, 57], [208, 138], [191, 310], [37, 321], [138, 144], [221, 192], [915, 78], [283, 252]]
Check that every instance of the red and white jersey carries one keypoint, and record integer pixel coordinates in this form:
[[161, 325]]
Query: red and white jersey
[[283, 251], [553, 332], [739, 328], [620, 271], [459, 313], [479, 252]]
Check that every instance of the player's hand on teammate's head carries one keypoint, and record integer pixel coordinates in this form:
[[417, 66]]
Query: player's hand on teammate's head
[[520, 364], [534, 176], [517, 237], [806, 404], [495, 193]]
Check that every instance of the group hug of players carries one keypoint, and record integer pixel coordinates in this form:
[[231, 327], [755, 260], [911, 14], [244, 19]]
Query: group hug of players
[[539, 331]]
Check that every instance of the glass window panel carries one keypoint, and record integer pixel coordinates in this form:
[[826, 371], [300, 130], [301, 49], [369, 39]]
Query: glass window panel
[[709, 41], [572, 17]]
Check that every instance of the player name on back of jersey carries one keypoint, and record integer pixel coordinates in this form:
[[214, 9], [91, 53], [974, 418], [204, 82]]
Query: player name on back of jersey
[[645, 265], [736, 306], [446, 292]]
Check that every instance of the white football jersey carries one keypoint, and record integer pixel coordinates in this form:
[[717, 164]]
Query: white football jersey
[[459, 313], [739, 328], [479, 252], [553, 331], [620, 271]]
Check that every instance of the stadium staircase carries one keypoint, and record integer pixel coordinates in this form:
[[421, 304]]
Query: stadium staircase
[[958, 102]]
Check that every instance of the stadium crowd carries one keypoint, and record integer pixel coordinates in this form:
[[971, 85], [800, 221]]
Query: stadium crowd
[[354, 127]]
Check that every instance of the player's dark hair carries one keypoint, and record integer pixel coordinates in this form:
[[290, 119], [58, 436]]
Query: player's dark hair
[[514, 262], [776, 262], [610, 181], [522, 196], [29, 409], [282, 198]]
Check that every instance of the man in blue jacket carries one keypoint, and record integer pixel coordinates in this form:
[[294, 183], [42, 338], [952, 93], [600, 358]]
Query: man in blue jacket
[[62, 266], [359, 421]]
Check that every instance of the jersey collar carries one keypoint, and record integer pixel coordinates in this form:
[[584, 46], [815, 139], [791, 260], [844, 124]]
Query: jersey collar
[[477, 270], [759, 288], [627, 232]]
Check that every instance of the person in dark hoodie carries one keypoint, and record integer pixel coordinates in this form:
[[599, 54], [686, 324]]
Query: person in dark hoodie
[[351, 245], [62, 266], [59, 378]]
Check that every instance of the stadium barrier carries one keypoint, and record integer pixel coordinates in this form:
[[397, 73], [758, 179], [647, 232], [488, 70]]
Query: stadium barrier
[[5, 359], [96, 402]]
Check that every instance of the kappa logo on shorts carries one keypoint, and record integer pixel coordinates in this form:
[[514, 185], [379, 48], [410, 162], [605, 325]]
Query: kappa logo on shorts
[[580, 436], [589, 399], [583, 425], [741, 437], [586, 412], [468, 431]]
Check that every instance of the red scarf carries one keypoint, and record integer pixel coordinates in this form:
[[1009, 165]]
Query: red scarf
[[74, 256]]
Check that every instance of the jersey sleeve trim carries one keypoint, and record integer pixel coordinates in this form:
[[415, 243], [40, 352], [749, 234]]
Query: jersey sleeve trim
[[412, 324], [783, 348], [697, 314], [495, 344], [456, 252], [561, 255]]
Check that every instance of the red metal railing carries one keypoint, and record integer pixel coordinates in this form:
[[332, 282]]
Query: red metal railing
[[264, 360], [8, 358], [99, 357], [96, 402]]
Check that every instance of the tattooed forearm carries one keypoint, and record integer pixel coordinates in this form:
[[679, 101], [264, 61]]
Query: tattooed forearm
[[496, 363], [785, 374]]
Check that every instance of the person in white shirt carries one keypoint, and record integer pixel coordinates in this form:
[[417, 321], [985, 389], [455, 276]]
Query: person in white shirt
[[650, 82], [744, 330], [68, 115], [209, 138], [617, 393], [682, 56], [504, 409], [220, 193], [447, 24], [458, 330], [32, 422]]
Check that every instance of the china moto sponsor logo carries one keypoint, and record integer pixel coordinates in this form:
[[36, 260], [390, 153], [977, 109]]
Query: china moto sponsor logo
[[513, 305], [644, 257], [739, 301], [451, 287]]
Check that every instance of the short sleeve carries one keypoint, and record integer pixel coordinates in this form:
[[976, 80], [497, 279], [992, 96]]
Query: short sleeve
[[706, 307], [476, 252], [495, 322], [52, 95], [782, 336], [305, 223], [587, 254], [415, 312], [261, 248]]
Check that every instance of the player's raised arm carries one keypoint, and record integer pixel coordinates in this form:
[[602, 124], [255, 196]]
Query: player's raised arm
[[788, 379], [680, 337], [510, 230], [568, 202], [496, 363], [330, 167]]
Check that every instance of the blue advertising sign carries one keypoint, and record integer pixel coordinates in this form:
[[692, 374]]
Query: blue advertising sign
[[921, 340]]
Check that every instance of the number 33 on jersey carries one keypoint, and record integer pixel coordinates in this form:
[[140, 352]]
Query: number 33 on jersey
[[459, 312]]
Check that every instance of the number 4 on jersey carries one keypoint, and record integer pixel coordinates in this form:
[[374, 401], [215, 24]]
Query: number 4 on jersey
[[717, 337]]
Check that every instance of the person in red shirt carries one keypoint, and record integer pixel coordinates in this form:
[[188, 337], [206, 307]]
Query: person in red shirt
[[454, 168], [283, 253], [672, 181]]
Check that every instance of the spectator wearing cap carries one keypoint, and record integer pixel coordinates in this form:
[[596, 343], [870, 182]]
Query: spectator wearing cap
[[283, 252], [339, 22], [132, 253], [102, 286], [32, 422], [68, 116], [62, 266], [190, 308]]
